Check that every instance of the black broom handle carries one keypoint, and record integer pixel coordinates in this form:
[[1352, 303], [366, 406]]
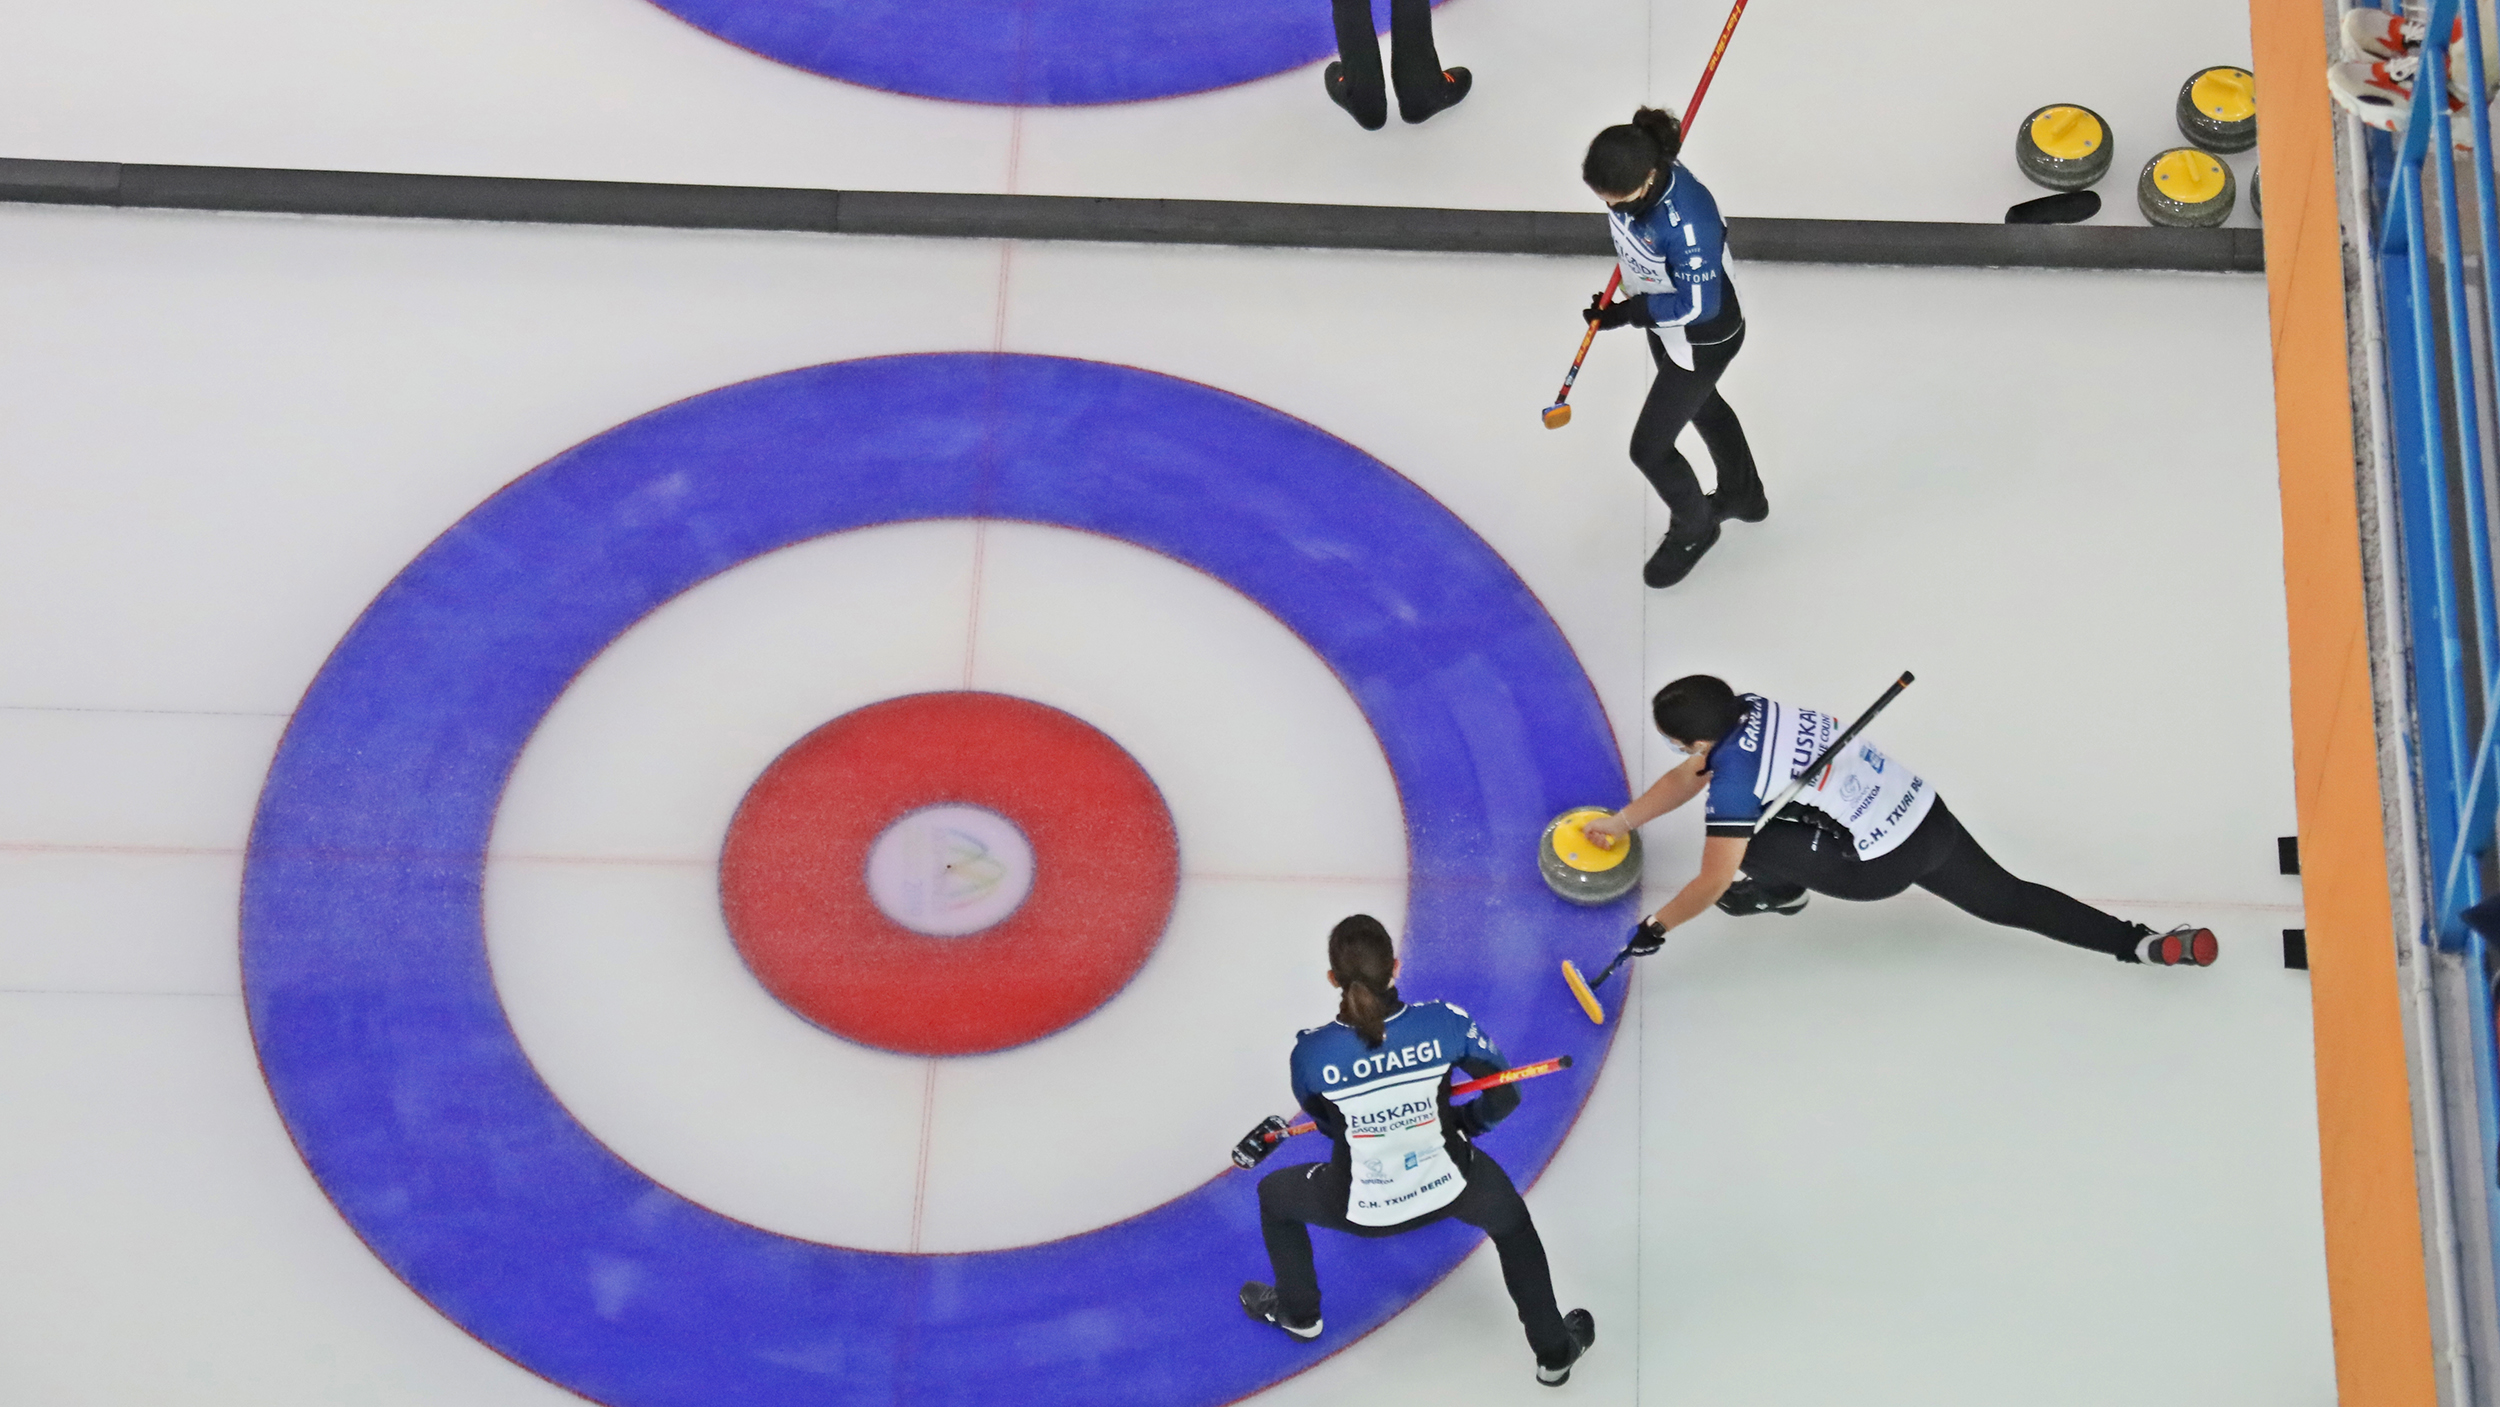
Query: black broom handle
[[1806, 777]]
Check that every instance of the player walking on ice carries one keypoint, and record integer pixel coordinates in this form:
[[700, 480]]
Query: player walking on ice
[[1376, 1081], [1869, 828], [1672, 249]]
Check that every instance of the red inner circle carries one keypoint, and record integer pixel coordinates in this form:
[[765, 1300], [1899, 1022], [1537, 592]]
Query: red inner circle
[[794, 888]]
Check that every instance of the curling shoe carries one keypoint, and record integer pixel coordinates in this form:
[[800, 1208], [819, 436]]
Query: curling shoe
[[1341, 93], [2184, 946], [1455, 83], [1583, 1329], [2380, 93], [1674, 561], [1751, 508], [1259, 1302], [1751, 896]]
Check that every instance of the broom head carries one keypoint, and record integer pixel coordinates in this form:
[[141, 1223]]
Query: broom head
[[1580, 988]]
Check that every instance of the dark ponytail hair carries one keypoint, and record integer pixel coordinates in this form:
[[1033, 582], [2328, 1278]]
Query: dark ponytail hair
[[1622, 157], [1364, 962]]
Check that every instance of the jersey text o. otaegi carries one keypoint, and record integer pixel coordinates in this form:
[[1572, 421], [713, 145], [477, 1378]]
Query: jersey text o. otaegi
[[1387, 1106], [1878, 799]]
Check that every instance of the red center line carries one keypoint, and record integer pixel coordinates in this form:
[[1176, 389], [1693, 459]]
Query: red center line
[[920, 1177], [1244, 877], [972, 628], [998, 344], [972, 613], [37, 847]]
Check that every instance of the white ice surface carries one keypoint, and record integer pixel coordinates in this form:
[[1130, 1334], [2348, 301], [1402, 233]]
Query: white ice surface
[[1875, 1153], [1821, 108]]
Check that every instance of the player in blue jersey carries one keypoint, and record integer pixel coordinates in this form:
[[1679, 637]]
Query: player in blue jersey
[[1377, 1082], [1423, 86], [1672, 248], [1868, 829]]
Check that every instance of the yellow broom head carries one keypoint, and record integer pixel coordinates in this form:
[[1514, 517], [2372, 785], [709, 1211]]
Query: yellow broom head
[[1557, 416], [1580, 988]]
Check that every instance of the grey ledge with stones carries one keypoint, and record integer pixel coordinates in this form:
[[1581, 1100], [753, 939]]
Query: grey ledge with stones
[[1058, 217]]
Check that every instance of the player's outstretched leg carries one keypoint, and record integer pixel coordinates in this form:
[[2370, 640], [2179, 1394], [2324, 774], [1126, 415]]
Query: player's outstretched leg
[[1970, 880]]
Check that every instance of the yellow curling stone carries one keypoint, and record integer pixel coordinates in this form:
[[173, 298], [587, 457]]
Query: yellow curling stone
[[1581, 871], [2186, 188], [2217, 109], [2063, 147]]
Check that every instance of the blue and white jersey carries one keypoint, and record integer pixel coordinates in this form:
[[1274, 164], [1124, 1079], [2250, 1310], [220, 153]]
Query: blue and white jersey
[[1875, 796], [1674, 252], [1387, 1109]]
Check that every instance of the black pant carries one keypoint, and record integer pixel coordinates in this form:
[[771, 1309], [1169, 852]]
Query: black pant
[[1679, 398], [1414, 65], [1292, 1200], [1941, 858]]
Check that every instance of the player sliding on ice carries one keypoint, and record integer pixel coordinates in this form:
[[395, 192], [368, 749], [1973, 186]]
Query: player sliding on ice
[[1867, 828], [1376, 1081]]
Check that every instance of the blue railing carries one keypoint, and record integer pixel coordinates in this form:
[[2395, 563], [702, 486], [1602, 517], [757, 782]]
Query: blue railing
[[2443, 415]]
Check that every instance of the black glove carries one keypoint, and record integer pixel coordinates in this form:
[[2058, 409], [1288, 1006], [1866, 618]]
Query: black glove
[[1259, 1142], [1647, 939], [1631, 312]]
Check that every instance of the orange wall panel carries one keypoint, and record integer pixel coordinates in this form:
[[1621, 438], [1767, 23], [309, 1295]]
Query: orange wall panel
[[2375, 1272]]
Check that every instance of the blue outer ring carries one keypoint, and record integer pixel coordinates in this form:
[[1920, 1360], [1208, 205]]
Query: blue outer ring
[[1026, 53], [364, 951]]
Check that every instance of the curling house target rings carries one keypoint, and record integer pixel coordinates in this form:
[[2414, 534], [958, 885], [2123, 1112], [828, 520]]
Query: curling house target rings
[[1026, 53], [374, 1011]]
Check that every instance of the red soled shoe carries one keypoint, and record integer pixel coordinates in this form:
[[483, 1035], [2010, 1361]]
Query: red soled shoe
[[2184, 946]]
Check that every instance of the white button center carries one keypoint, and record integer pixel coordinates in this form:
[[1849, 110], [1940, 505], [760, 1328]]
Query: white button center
[[948, 871]]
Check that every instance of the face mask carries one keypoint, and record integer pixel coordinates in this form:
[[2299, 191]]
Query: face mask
[[1632, 203]]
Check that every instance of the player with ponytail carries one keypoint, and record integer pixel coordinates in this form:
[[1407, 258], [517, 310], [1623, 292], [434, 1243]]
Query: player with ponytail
[[1672, 246], [1377, 1082]]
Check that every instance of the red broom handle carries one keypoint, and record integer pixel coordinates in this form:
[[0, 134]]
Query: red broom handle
[[1691, 109], [1613, 281], [1726, 33], [1511, 1076]]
